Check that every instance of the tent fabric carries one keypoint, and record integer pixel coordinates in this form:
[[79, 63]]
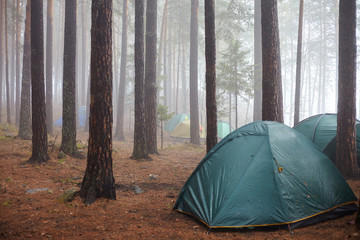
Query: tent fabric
[[321, 129], [178, 118], [264, 174], [81, 116], [223, 129], [182, 130]]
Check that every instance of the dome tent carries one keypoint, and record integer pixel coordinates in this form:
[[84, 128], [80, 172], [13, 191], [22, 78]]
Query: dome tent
[[223, 129], [321, 130], [182, 130], [178, 118], [263, 174]]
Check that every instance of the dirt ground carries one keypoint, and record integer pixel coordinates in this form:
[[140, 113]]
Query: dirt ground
[[148, 215]]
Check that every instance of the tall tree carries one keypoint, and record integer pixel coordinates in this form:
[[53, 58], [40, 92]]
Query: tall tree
[[140, 146], [49, 50], [25, 115], [298, 64], [18, 30], [272, 103], [257, 61], [2, 13], [150, 77], [210, 55], [346, 137], [194, 102], [68, 143], [39, 137], [7, 65], [119, 133], [99, 180]]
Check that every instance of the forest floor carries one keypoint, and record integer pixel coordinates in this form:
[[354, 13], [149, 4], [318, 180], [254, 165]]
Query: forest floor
[[148, 215]]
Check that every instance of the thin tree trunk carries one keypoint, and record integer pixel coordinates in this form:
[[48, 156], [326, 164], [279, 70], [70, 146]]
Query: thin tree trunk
[[7, 65], [178, 72], [83, 53], [17, 98], [193, 82], [298, 64], [2, 13], [39, 138], [183, 75], [119, 133], [165, 59], [140, 147], [257, 62], [68, 143], [162, 37], [210, 55], [150, 77], [49, 49], [25, 114]]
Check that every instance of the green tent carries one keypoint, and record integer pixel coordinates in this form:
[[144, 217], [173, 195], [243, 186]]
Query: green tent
[[223, 129], [178, 118], [265, 174], [321, 130], [182, 130]]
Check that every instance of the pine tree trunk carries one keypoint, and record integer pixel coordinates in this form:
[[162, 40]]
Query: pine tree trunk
[[272, 102], [194, 102], [150, 77], [83, 54], [2, 13], [298, 65], [119, 133], [210, 54], [49, 49], [140, 150], [25, 114], [39, 138], [17, 95], [68, 143], [7, 65], [346, 138], [98, 180], [257, 62]]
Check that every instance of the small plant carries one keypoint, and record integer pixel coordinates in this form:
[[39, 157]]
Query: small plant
[[7, 203], [163, 115], [8, 179]]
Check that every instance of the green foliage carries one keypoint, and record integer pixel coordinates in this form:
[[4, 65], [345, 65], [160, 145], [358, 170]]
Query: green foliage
[[162, 112], [8, 179], [7, 203]]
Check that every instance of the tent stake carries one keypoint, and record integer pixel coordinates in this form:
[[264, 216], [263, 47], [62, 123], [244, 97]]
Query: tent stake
[[290, 229]]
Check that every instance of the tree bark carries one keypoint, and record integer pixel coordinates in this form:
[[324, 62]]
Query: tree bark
[[49, 49], [99, 180], [2, 13], [257, 62], [119, 133], [272, 103], [210, 55], [25, 114], [68, 143], [7, 65], [150, 77], [346, 137], [18, 30], [298, 64], [194, 102], [140, 147], [39, 138]]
